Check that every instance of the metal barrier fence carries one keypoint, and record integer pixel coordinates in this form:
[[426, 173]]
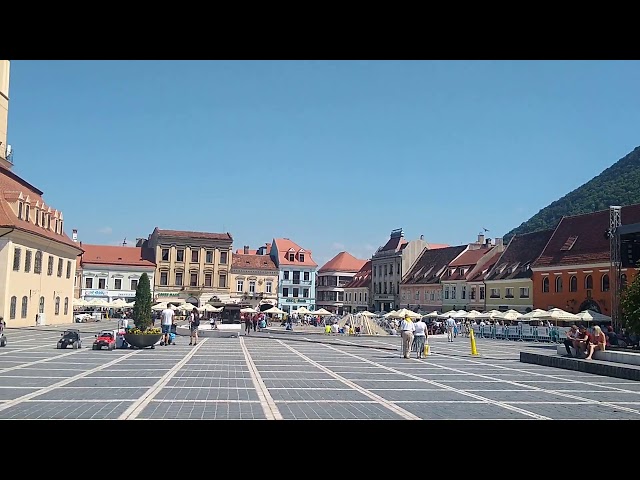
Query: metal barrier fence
[[521, 333]]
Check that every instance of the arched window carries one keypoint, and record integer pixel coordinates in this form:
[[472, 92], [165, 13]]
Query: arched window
[[57, 306], [41, 306], [605, 282], [12, 309], [66, 305], [545, 284], [23, 312], [573, 284], [623, 281], [588, 282], [558, 284], [37, 268]]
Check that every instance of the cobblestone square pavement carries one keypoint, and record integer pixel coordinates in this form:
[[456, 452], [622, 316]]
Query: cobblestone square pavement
[[278, 376]]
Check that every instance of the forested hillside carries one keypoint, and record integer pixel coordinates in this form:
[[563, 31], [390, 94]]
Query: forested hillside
[[617, 185]]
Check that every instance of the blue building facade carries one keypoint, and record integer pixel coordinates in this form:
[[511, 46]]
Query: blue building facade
[[296, 275]]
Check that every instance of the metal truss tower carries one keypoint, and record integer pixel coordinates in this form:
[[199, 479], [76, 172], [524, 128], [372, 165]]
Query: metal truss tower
[[616, 263]]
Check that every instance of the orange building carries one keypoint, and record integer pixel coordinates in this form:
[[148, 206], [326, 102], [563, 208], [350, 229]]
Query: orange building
[[574, 270]]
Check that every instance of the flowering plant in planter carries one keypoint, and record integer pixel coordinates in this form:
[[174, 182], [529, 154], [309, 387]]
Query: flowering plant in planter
[[148, 331]]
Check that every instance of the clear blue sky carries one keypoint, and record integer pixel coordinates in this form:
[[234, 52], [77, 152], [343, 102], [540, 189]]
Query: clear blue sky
[[332, 154]]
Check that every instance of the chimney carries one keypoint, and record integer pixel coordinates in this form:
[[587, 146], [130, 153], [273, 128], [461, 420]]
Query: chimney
[[246, 249], [421, 237], [487, 242], [74, 235], [481, 238], [498, 241]]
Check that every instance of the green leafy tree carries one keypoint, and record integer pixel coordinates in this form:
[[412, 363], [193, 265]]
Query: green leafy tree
[[630, 305], [142, 307]]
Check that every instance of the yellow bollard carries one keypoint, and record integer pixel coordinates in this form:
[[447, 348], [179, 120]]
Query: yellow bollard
[[427, 349], [474, 350]]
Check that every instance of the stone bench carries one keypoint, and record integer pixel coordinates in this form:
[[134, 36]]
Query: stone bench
[[628, 358]]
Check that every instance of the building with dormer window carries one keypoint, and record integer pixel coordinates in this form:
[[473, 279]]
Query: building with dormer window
[[254, 279], [296, 275], [37, 259]]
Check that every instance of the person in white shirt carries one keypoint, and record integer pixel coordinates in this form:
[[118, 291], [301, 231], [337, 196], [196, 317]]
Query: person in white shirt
[[406, 331], [166, 320], [451, 327], [419, 337]]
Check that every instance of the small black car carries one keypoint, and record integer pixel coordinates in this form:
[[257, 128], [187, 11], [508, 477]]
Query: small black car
[[70, 337]]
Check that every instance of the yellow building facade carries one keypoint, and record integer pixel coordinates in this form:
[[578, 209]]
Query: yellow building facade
[[254, 281]]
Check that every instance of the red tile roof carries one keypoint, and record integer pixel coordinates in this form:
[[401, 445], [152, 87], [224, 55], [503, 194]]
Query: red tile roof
[[10, 187], [430, 265], [343, 262], [492, 257], [520, 253], [253, 262], [117, 255], [436, 246], [240, 251], [284, 246], [590, 246], [362, 278], [199, 235], [470, 257]]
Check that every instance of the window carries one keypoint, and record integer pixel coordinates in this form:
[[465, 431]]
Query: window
[[20, 210], [285, 292], [117, 285], [305, 276], [180, 255], [134, 284], [165, 254], [27, 261], [25, 304], [292, 257], [37, 267], [481, 293], [194, 256], [57, 312], [573, 284], [495, 293], [61, 222], [193, 280], [68, 268], [464, 292], [16, 260], [27, 217], [558, 284], [446, 292], [178, 279], [60, 267], [453, 292], [239, 285], [222, 281], [386, 269], [545, 285], [208, 278], [295, 292], [524, 292], [509, 292], [88, 283], [41, 305], [12, 308], [417, 294], [269, 287], [209, 257], [164, 278], [302, 257], [623, 281], [223, 258], [472, 294], [305, 292], [50, 265], [252, 286], [56, 228], [605, 283], [588, 282], [102, 283], [66, 305], [286, 274]]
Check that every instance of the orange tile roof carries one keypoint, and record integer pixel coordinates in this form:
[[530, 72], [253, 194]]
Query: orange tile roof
[[470, 257], [343, 262], [436, 246], [188, 234], [10, 186], [117, 255], [253, 262], [240, 251], [362, 278], [284, 245]]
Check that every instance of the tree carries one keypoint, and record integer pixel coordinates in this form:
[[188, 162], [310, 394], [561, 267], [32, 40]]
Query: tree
[[630, 305], [142, 307]]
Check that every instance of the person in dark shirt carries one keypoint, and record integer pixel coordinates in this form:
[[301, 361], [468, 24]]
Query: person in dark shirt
[[582, 341]]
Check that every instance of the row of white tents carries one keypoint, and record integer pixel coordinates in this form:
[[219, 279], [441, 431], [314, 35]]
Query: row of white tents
[[552, 315]]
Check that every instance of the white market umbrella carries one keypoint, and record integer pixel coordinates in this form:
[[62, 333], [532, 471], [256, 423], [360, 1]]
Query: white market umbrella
[[390, 314], [368, 314], [473, 314], [303, 311], [445, 315], [79, 302], [207, 307], [118, 303], [159, 306], [98, 302], [511, 315], [131, 304], [186, 307], [403, 312], [537, 314], [248, 310], [322, 312], [433, 314], [559, 315], [591, 316], [460, 314], [492, 315], [275, 311]]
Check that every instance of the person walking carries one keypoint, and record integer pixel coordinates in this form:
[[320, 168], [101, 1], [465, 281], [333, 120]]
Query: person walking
[[194, 323], [166, 320], [451, 329], [254, 321], [419, 337], [406, 328], [248, 324]]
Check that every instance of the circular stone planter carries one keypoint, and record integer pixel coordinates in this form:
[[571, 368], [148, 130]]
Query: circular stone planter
[[142, 341]]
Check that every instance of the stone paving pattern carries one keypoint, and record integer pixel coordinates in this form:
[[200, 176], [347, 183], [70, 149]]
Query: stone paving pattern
[[271, 375]]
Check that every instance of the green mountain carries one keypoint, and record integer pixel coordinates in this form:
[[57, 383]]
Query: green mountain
[[617, 185]]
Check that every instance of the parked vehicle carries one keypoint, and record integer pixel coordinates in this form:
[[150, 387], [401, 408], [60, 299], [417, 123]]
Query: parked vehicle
[[106, 338], [69, 338]]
